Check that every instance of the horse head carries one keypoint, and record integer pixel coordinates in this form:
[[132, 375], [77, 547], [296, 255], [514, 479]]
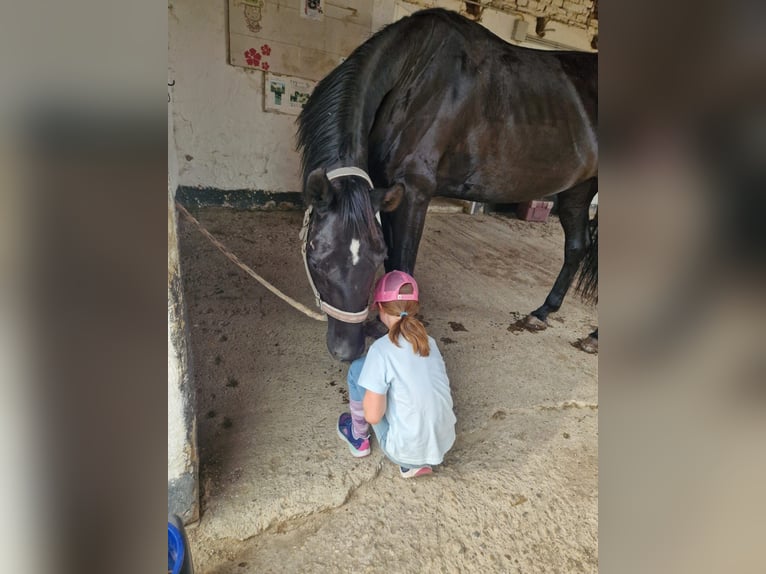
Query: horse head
[[344, 247]]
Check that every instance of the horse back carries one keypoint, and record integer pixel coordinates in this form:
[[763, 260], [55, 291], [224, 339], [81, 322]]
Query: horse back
[[481, 119]]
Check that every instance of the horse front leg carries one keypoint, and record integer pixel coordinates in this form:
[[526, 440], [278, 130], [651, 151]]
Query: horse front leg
[[573, 215], [402, 230]]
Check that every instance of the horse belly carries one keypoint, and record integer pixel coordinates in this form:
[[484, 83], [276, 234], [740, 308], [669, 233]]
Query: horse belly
[[515, 165]]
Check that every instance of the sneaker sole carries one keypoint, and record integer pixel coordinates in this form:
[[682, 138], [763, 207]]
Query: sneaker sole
[[412, 473], [354, 452]]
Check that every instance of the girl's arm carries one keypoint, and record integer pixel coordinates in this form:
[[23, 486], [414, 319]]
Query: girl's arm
[[374, 406]]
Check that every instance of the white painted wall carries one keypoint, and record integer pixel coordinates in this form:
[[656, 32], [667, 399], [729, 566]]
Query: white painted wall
[[223, 137], [178, 454], [556, 32], [501, 24]]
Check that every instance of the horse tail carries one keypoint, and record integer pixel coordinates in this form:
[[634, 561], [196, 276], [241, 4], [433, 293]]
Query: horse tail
[[587, 283]]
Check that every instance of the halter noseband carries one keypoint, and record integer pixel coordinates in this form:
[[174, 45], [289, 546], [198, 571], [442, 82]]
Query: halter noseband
[[331, 311]]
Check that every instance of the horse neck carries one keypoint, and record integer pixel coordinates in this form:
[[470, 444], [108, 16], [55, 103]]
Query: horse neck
[[352, 94], [374, 77]]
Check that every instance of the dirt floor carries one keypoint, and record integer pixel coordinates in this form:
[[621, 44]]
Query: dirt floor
[[280, 493]]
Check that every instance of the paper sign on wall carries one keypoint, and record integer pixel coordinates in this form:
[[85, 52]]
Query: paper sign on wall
[[286, 94], [312, 9]]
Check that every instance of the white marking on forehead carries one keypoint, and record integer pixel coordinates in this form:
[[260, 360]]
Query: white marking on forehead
[[354, 251]]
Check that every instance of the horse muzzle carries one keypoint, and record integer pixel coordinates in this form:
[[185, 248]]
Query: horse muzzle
[[345, 341]]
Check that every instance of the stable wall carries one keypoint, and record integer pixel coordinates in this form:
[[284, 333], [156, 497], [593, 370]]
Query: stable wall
[[224, 139]]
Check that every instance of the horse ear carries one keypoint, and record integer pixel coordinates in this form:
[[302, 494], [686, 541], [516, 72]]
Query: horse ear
[[387, 199], [319, 192]]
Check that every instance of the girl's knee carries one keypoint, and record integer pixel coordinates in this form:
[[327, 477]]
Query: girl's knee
[[355, 369]]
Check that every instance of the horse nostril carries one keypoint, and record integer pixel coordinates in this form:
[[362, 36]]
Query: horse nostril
[[346, 355]]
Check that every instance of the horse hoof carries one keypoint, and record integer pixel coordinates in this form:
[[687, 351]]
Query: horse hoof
[[534, 324], [589, 345]]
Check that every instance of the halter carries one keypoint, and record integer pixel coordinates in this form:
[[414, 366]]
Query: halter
[[331, 311]]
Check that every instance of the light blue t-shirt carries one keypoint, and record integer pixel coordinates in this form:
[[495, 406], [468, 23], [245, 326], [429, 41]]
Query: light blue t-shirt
[[421, 424]]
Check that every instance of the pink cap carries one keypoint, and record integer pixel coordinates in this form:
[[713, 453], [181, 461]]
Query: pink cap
[[389, 285]]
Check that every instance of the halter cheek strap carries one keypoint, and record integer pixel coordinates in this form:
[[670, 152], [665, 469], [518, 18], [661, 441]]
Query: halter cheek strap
[[334, 312]]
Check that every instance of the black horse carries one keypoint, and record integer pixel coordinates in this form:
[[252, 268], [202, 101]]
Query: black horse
[[436, 105]]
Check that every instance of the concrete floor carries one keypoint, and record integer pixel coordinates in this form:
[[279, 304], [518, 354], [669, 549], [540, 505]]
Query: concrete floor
[[280, 493]]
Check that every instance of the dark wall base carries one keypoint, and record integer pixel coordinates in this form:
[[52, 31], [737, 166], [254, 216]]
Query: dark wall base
[[194, 197]]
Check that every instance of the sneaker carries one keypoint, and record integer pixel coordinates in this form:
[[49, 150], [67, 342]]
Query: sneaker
[[359, 447], [413, 472]]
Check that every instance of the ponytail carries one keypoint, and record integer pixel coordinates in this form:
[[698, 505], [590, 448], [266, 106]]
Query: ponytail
[[407, 326]]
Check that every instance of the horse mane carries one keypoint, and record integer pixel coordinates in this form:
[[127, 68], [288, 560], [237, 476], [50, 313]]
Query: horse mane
[[322, 121], [332, 123], [324, 137], [355, 211], [327, 123]]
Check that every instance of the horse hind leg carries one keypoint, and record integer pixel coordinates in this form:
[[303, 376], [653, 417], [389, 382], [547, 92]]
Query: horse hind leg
[[573, 215], [588, 344]]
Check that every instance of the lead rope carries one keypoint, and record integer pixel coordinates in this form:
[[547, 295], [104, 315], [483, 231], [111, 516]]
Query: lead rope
[[334, 312], [234, 259], [304, 237]]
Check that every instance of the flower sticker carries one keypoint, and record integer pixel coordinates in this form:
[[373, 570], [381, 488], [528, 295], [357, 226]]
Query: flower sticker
[[265, 66], [266, 49], [252, 57]]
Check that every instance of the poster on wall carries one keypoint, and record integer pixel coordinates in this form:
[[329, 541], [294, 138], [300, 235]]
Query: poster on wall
[[312, 9], [285, 94], [298, 38]]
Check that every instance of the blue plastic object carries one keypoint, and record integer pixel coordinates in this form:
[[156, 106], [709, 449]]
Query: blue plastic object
[[176, 549], [179, 553]]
